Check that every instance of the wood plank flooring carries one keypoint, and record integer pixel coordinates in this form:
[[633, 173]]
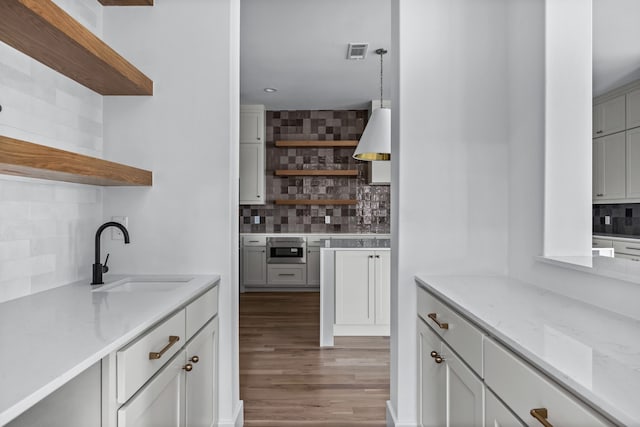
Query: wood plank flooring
[[286, 379]]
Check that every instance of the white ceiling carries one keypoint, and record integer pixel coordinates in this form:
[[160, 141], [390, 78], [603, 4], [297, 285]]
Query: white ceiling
[[616, 44], [300, 48]]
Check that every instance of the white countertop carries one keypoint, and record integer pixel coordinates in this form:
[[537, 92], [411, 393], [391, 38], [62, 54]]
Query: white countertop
[[364, 243], [593, 352], [620, 237], [50, 337]]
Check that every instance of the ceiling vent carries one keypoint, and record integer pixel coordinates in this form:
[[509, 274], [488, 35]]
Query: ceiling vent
[[357, 50]]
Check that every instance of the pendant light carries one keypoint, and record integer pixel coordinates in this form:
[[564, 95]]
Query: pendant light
[[375, 143]]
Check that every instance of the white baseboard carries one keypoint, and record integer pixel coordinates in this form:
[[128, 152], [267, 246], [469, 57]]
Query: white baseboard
[[238, 417], [392, 420], [361, 330]]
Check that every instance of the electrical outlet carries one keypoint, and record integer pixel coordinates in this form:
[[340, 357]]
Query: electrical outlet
[[256, 219], [607, 220], [327, 219], [116, 234]]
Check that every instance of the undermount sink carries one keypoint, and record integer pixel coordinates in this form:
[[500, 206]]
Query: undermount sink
[[145, 285]]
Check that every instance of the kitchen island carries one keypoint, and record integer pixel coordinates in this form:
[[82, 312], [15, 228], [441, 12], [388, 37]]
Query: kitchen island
[[52, 337], [354, 288]]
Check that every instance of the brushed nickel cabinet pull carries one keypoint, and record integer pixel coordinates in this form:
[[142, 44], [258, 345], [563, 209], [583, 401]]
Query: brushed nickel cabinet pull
[[599, 195], [286, 274], [441, 325], [541, 415], [172, 340]]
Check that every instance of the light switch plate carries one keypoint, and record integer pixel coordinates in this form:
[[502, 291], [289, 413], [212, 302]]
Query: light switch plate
[[116, 234], [256, 219], [327, 219], [607, 220]]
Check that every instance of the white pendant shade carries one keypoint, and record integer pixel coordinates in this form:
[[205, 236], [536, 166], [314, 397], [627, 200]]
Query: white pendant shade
[[375, 143]]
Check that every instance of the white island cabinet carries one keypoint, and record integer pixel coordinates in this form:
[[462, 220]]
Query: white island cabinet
[[494, 351], [355, 288], [137, 351]]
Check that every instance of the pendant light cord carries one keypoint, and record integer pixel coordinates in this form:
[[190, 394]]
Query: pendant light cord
[[381, 52]]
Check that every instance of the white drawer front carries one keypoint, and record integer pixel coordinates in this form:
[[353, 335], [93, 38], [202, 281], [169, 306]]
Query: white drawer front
[[254, 241], [461, 335], [280, 275], [524, 389], [601, 243], [315, 241], [134, 366], [626, 248], [201, 310]]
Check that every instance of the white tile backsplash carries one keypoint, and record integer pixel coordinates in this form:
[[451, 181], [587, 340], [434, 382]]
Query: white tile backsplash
[[46, 227]]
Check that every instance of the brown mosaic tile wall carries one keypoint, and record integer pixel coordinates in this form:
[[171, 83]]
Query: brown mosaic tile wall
[[370, 215]]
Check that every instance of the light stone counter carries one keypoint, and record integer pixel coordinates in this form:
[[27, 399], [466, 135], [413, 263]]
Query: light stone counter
[[592, 352], [50, 337]]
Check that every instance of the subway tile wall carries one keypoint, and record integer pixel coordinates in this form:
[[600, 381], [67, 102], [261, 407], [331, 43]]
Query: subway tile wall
[[371, 214], [625, 219], [47, 228]]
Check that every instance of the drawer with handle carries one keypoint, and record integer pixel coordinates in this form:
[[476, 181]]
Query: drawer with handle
[[628, 248], [601, 243], [532, 397], [286, 275], [465, 338], [141, 359], [254, 240]]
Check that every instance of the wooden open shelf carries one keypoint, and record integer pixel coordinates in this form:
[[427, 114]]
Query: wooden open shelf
[[23, 158], [45, 32], [317, 202], [315, 144], [126, 2], [316, 172]]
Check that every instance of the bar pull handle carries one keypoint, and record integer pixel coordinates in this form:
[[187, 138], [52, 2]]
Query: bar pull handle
[[172, 340], [434, 317], [541, 415], [632, 248], [286, 274]]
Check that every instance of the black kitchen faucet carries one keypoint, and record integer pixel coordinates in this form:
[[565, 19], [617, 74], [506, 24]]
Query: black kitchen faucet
[[99, 269]]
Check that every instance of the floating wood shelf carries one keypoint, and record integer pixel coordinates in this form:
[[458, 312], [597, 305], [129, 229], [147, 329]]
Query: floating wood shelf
[[45, 32], [316, 172], [23, 158], [315, 144], [317, 202], [126, 2]]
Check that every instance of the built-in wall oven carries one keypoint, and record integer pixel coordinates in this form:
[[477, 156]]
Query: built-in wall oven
[[286, 250]]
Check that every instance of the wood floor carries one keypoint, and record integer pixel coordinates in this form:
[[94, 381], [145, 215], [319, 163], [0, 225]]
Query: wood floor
[[286, 379]]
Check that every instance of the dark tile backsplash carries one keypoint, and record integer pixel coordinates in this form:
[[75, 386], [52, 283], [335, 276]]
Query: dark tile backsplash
[[625, 219], [370, 215]]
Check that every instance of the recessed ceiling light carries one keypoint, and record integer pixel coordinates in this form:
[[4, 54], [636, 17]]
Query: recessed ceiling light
[[270, 89]]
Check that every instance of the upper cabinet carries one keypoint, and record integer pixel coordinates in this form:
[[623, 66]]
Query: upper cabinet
[[609, 177], [633, 109], [45, 32], [252, 155], [609, 117]]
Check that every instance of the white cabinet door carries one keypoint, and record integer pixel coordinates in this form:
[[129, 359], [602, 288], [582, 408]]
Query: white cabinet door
[[633, 109], [383, 287], [431, 378], [609, 170], [254, 266], [464, 391], [609, 117], [633, 163], [161, 402], [497, 415], [202, 380], [251, 123], [355, 299], [313, 266], [251, 173]]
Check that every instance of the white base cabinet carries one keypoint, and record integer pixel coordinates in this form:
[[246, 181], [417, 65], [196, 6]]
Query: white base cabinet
[[254, 266], [362, 291], [496, 413], [201, 389]]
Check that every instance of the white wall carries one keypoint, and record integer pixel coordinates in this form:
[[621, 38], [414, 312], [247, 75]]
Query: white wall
[[450, 157], [47, 227], [527, 160], [185, 134]]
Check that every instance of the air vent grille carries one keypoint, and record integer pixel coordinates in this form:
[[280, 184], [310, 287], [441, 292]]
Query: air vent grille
[[357, 50]]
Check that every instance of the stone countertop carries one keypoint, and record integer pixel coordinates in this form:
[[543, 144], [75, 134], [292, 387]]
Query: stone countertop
[[623, 237], [553, 332], [365, 243], [50, 337]]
